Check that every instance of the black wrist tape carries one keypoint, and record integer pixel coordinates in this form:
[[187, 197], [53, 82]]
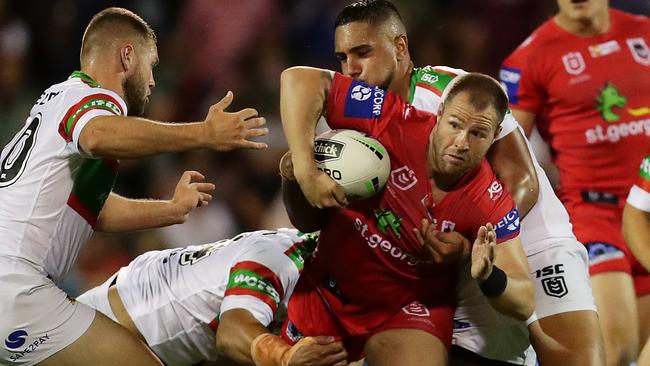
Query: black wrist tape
[[495, 284]]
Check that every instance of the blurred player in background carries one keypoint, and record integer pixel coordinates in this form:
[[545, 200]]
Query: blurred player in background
[[56, 178], [582, 79], [375, 286], [636, 232], [371, 43], [190, 304]]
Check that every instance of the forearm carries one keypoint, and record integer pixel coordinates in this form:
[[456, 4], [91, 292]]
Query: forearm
[[303, 216], [121, 214], [237, 330], [636, 231], [303, 93], [129, 137]]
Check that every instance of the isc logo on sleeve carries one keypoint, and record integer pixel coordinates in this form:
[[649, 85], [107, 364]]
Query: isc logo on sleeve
[[510, 77], [363, 101]]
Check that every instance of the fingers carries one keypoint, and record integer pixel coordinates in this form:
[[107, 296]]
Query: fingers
[[204, 187], [324, 339], [253, 145], [339, 196], [248, 113], [254, 122], [224, 102], [336, 358], [481, 234], [191, 176]]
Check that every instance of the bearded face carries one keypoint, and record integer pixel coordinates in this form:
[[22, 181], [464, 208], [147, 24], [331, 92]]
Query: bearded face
[[136, 93]]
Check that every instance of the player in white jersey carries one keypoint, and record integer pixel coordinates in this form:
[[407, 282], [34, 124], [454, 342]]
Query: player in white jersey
[[636, 231], [371, 43], [192, 302], [56, 178]]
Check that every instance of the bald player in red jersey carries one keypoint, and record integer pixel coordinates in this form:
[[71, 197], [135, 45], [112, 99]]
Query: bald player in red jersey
[[369, 278], [583, 78]]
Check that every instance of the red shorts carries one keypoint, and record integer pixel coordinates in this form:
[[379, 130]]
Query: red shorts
[[309, 315], [600, 231]]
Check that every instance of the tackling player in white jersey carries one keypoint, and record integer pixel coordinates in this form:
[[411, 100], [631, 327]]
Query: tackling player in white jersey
[[56, 180], [636, 231], [371, 43], [192, 302]]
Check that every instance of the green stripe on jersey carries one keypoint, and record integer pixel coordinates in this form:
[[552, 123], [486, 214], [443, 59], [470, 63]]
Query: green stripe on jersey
[[93, 183], [92, 104], [431, 77], [300, 250], [644, 170], [84, 77], [242, 278]]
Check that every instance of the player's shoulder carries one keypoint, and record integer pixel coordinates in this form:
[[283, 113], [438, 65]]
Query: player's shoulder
[[278, 250], [629, 20], [436, 76]]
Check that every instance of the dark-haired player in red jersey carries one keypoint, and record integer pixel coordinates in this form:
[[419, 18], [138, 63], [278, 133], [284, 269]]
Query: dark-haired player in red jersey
[[372, 284], [583, 78]]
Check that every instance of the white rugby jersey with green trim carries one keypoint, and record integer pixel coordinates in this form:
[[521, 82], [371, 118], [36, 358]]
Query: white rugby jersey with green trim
[[176, 296], [50, 192], [548, 219], [639, 196]]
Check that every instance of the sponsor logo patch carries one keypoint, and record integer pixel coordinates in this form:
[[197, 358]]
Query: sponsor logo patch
[[510, 80], [416, 309], [508, 225], [364, 101], [327, 150], [403, 178]]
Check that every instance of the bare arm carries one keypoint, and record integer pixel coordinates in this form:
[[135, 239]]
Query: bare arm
[[120, 214], [511, 160], [303, 94], [517, 300], [131, 137], [636, 231], [526, 120], [238, 329]]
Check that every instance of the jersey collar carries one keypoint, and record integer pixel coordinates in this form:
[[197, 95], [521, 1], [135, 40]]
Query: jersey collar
[[85, 78]]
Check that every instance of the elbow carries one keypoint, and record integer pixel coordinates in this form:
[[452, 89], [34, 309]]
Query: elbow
[[226, 345]]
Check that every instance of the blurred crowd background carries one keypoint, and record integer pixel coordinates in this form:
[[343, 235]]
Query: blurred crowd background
[[208, 47]]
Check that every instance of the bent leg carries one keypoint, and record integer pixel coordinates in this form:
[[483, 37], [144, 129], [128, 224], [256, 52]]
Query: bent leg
[[104, 343], [617, 311], [571, 338], [405, 347]]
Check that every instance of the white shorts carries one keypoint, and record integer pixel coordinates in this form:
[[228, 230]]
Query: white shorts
[[561, 277], [97, 298], [560, 274], [38, 319]]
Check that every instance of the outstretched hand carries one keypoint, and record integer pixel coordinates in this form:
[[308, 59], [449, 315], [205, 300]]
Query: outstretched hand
[[484, 252], [233, 130], [191, 192]]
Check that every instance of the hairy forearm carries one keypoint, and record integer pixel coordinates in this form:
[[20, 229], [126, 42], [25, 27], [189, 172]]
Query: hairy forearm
[[237, 330], [119, 137], [121, 214], [303, 93], [303, 216], [636, 231], [513, 164]]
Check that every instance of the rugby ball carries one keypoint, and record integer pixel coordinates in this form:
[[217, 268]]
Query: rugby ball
[[358, 163]]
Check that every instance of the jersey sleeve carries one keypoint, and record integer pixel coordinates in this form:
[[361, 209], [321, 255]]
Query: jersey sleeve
[[504, 215], [83, 107], [519, 76], [639, 196], [259, 282], [508, 125], [352, 104]]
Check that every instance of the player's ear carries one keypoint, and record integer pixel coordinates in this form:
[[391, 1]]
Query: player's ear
[[402, 47], [127, 57], [441, 108]]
